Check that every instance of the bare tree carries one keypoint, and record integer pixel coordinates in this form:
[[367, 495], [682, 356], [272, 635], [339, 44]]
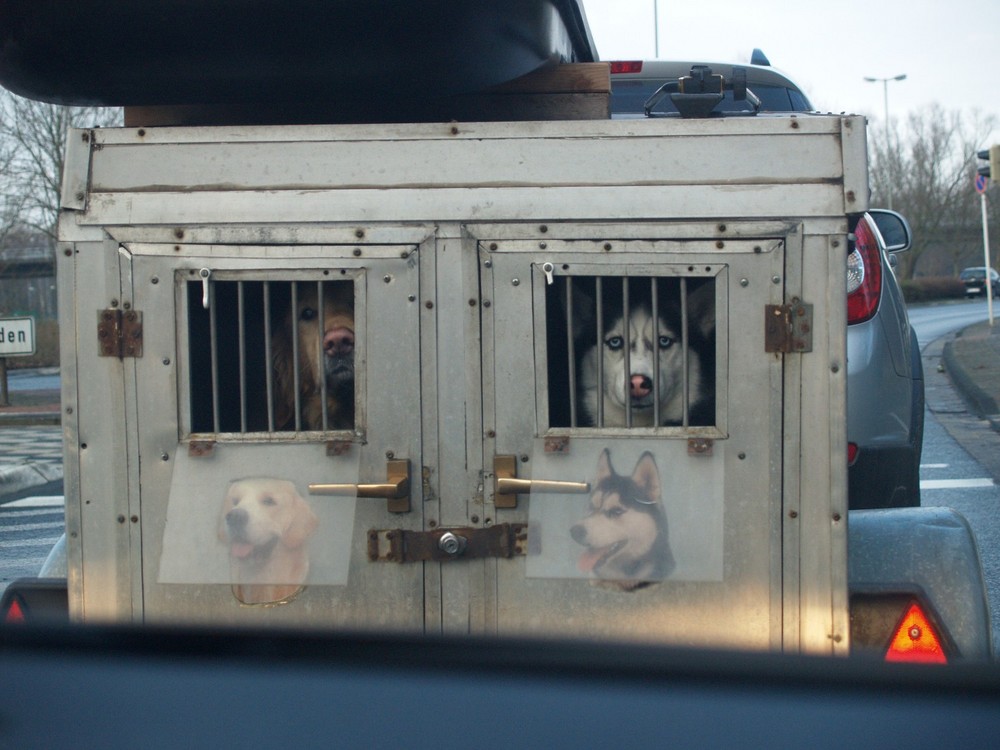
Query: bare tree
[[32, 152], [928, 171]]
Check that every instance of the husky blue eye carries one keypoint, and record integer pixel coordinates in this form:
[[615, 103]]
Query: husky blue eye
[[615, 342], [666, 342]]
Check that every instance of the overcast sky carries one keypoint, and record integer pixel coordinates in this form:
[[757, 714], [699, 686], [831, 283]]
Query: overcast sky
[[949, 51]]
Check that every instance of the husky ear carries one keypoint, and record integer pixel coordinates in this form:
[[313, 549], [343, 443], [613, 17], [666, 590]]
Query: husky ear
[[604, 467], [701, 309], [647, 477]]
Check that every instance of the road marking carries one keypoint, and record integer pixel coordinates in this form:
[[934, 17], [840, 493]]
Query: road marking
[[50, 501], [955, 484], [33, 526], [43, 542], [933, 466]]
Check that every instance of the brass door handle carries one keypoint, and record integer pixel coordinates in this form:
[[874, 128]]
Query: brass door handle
[[395, 489], [507, 486]]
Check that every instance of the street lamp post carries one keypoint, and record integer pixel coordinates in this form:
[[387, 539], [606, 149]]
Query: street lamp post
[[885, 97]]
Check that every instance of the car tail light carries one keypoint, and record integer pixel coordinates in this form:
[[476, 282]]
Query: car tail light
[[626, 66], [864, 274], [852, 453], [916, 639]]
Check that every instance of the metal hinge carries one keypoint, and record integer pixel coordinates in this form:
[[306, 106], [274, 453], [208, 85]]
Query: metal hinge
[[788, 328], [119, 333], [402, 546]]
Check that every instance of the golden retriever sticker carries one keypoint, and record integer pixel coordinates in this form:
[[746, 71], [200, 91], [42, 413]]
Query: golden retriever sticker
[[659, 519], [266, 524], [262, 535]]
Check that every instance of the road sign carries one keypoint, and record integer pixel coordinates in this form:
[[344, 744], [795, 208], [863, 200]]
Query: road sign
[[982, 182], [17, 337]]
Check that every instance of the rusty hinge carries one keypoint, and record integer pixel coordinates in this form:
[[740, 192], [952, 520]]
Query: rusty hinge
[[119, 333], [788, 328], [440, 545]]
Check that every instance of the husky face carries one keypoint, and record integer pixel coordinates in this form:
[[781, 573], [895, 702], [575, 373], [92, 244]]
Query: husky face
[[646, 342], [625, 532]]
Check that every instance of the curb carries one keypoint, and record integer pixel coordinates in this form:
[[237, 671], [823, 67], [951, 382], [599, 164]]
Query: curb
[[30, 418], [982, 403], [20, 477]]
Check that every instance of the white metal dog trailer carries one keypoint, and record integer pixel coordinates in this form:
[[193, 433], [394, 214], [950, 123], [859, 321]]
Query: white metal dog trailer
[[463, 251]]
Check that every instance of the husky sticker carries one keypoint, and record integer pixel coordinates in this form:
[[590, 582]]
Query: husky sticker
[[229, 521], [624, 534], [660, 519]]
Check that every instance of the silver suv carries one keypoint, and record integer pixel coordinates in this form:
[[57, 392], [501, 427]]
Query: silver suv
[[885, 390]]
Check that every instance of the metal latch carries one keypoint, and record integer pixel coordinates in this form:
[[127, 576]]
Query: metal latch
[[788, 328], [119, 333], [441, 545]]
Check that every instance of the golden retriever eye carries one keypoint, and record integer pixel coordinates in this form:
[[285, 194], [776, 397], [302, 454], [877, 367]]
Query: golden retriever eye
[[268, 500], [308, 313]]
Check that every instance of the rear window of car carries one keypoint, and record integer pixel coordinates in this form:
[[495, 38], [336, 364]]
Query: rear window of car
[[973, 273], [629, 97]]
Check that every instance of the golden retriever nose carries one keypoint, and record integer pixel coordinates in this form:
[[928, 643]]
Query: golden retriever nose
[[641, 385], [339, 341], [236, 519]]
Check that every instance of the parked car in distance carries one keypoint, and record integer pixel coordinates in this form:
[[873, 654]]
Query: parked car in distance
[[885, 381], [974, 279]]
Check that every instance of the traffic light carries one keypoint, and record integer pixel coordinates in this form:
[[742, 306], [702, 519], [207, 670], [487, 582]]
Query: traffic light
[[991, 156]]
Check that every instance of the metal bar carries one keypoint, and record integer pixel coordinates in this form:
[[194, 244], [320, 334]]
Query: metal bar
[[599, 297], [626, 327], [655, 310], [684, 353], [296, 375], [241, 335], [214, 345], [320, 329], [570, 352], [268, 365]]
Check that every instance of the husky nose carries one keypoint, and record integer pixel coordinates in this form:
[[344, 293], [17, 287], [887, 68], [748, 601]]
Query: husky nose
[[641, 386], [339, 341]]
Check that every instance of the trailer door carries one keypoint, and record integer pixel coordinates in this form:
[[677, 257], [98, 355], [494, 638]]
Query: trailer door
[[634, 427], [254, 494]]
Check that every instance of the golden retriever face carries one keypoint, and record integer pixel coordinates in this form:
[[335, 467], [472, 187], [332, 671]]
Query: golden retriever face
[[625, 532], [266, 524], [325, 356]]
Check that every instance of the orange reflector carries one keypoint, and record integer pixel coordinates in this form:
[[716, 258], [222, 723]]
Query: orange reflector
[[916, 640], [14, 614]]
